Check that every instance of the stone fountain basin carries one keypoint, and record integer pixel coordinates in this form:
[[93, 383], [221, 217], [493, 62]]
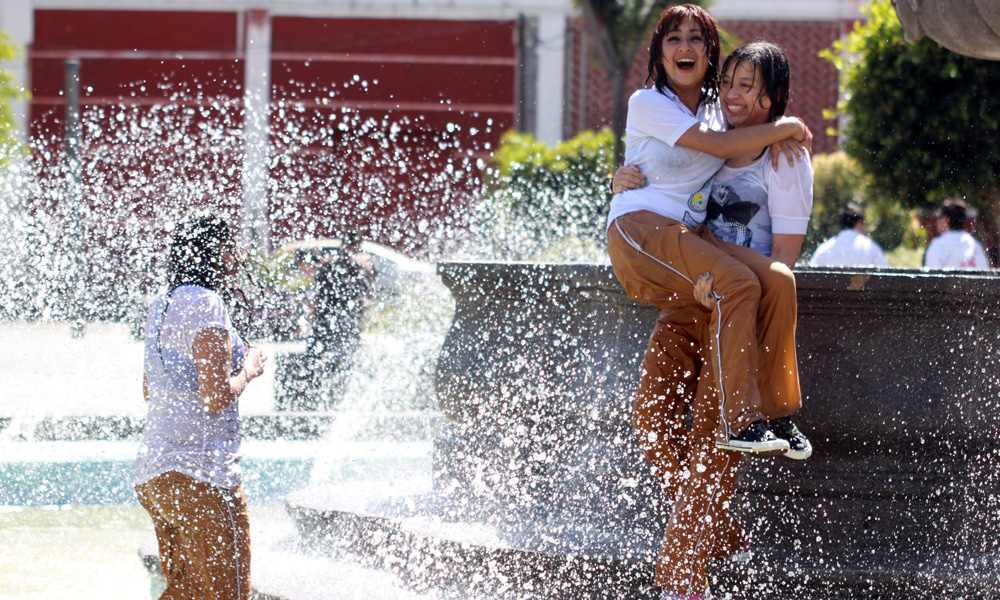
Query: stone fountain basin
[[900, 379]]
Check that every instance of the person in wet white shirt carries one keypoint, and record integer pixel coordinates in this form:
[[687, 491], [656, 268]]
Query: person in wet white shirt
[[955, 248], [850, 247], [187, 472]]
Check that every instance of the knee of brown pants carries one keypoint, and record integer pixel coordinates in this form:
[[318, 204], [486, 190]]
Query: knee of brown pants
[[667, 383], [209, 537]]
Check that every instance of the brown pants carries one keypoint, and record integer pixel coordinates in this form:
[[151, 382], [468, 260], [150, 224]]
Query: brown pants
[[698, 478], [204, 537], [729, 368], [751, 334]]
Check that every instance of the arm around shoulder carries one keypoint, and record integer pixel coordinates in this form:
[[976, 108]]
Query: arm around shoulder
[[732, 143]]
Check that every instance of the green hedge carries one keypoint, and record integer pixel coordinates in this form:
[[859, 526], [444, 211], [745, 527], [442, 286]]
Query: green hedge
[[547, 202]]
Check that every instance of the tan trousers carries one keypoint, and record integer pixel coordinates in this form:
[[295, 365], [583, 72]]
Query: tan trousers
[[751, 334], [657, 260], [698, 478], [204, 537]]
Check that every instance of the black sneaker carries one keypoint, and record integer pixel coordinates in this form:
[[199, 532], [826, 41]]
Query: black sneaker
[[755, 439], [799, 446]]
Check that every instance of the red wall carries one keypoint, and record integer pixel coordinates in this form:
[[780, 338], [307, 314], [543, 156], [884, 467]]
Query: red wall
[[163, 96], [388, 115]]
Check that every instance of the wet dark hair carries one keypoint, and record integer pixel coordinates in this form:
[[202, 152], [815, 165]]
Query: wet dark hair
[[954, 210], [199, 241], [770, 65], [851, 216], [196, 251], [670, 19]]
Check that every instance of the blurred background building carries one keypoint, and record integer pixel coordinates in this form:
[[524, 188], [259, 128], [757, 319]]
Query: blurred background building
[[303, 79]]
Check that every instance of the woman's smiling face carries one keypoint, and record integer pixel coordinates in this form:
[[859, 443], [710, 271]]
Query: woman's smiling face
[[685, 55], [743, 100]]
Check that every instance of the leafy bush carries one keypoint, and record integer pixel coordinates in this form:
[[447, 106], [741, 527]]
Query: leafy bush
[[542, 199], [923, 121], [10, 91]]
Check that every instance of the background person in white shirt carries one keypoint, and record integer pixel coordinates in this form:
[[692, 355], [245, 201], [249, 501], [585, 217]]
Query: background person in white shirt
[[955, 248], [850, 247]]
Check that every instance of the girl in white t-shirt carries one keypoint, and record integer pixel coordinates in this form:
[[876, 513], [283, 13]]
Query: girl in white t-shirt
[[187, 473], [752, 202], [659, 249]]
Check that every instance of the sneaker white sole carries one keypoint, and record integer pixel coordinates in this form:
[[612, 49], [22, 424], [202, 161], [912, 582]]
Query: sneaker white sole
[[769, 448], [802, 454]]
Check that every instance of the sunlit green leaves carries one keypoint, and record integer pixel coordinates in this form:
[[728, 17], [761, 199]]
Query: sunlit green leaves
[[10, 91], [540, 197], [922, 120]]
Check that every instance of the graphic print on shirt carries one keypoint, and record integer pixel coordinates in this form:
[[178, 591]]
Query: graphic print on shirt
[[729, 215], [697, 203]]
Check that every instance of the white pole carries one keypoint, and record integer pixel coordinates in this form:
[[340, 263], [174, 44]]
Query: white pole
[[551, 77], [255, 228]]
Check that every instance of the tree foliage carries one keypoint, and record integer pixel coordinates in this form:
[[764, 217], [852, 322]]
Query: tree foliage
[[10, 91], [923, 121]]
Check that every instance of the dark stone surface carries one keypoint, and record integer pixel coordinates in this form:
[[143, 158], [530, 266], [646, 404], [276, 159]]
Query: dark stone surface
[[970, 27], [419, 540], [536, 377], [900, 381]]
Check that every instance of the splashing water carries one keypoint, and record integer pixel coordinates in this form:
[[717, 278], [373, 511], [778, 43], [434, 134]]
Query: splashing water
[[87, 243]]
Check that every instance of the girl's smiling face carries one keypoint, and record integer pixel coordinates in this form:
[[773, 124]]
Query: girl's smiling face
[[685, 55], [743, 99]]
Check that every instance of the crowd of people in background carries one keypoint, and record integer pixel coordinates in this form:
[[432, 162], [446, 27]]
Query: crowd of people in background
[[952, 248]]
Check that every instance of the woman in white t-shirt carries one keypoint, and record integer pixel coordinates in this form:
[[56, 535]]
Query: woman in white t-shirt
[[676, 135], [187, 473]]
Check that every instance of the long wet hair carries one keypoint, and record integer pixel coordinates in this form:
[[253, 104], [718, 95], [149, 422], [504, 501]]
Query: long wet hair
[[196, 251], [770, 66], [671, 18], [196, 258]]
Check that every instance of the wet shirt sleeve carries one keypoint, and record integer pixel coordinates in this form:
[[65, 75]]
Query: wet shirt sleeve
[[790, 196], [206, 311], [652, 114]]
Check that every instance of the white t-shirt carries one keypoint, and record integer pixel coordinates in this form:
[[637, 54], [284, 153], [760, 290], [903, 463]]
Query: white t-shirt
[[956, 250], [748, 204], [679, 178], [180, 433], [849, 248]]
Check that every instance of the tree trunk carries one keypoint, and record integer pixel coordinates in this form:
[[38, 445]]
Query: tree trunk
[[618, 78]]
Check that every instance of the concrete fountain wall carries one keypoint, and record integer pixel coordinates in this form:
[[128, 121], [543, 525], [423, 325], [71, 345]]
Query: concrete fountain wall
[[900, 378], [536, 376]]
